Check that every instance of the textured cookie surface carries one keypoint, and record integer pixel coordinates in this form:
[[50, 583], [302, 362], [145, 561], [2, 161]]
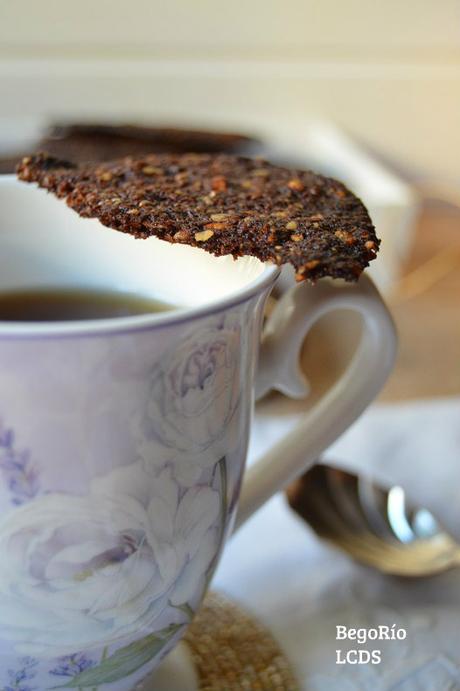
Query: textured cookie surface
[[223, 204]]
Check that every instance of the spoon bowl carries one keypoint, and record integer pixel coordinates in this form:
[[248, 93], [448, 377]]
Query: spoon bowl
[[376, 526]]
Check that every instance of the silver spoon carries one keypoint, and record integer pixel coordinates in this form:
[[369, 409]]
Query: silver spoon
[[376, 526]]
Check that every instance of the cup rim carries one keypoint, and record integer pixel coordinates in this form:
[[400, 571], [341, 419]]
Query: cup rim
[[141, 322]]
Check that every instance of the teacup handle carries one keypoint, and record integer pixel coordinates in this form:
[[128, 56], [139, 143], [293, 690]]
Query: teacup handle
[[279, 368]]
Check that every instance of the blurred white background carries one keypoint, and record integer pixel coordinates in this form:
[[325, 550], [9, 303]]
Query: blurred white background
[[387, 71]]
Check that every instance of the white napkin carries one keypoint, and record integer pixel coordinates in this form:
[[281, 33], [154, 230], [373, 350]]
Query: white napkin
[[302, 589], [415, 445]]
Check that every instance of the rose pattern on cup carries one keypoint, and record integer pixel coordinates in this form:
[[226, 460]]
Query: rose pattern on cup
[[194, 392], [96, 587]]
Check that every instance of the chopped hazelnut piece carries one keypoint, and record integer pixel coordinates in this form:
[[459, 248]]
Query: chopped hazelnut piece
[[151, 170], [295, 184], [219, 183], [219, 217], [182, 236], [292, 225], [216, 226], [203, 235], [345, 236]]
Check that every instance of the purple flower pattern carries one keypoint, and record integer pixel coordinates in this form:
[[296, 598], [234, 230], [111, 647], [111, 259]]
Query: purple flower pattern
[[71, 665], [19, 680], [18, 472]]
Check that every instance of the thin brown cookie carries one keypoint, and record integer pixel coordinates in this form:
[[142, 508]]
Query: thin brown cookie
[[99, 141], [83, 142], [223, 204]]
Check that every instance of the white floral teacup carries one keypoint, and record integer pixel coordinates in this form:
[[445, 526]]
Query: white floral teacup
[[123, 441]]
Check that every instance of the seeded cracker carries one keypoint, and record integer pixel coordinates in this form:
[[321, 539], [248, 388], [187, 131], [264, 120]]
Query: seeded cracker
[[223, 204]]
